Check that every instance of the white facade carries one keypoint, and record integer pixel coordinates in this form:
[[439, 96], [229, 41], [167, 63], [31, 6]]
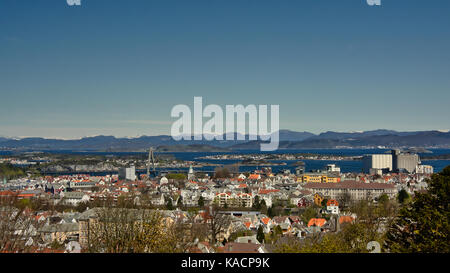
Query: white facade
[[74, 198], [191, 173], [424, 169], [127, 173], [377, 161], [163, 180], [333, 209], [333, 168]]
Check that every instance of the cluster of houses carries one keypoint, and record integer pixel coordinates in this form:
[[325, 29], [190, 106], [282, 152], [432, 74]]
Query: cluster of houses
[[71, 229], [239, 192]]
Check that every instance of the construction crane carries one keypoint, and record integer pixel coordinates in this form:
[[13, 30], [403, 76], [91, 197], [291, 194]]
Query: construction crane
[[151, 160]]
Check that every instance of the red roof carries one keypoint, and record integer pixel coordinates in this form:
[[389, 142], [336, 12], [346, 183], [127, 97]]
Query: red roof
[[26, 195], [317, 222], [222, 193], [332, 202], [349, 184], [265, 220], [345, 219], [7, 193], [254, 176], [266, 191]]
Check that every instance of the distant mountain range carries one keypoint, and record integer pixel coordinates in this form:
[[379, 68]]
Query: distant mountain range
[[380, 132], [288, 140], [426, 139]]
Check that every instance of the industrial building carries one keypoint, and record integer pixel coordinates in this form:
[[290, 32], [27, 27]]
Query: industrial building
[[404, 162], [396, 161], [376, 163], [127, 173]]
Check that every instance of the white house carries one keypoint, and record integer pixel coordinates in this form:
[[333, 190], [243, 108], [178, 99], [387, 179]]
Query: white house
[[333, 206], [74, 198], [163, 180], [242, 176]]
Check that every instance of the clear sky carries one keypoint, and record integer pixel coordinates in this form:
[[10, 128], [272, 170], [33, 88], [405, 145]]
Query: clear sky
[[117, 67]]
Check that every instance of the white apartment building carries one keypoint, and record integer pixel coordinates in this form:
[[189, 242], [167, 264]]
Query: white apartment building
[[356, 190], [234, 199]]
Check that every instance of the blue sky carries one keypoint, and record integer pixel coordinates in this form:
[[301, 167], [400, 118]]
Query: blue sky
[[117, 67]]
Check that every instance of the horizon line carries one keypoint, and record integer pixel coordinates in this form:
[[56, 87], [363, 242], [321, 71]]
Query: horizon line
[[246, 134]]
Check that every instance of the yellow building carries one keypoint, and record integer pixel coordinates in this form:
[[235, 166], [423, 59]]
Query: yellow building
[[312, 177], [333, 179], [318, 178], [318, 198]]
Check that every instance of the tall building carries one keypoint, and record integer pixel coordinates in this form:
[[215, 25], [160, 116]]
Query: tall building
[[377, 162], [396, 161], [395, 154], [191, 174], [127, 173], [404, 161]]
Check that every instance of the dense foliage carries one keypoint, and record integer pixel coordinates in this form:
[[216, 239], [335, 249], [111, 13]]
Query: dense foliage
[[423, 225], [10, 171]]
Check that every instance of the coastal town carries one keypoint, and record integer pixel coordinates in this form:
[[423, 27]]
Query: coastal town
[[254, 212], [261, 129], [285, 156]]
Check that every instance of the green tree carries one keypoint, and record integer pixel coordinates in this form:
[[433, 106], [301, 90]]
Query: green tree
[[308, 213], [263, 208], [423, 224], [353, 238], [257, 204], [240, 233], [270, 212], [403, 196], [201, 201], [10, 171], [222, 172], [383, 198], [176, 176], [260, 234], [277, 230], [124, 230], [169, 204]]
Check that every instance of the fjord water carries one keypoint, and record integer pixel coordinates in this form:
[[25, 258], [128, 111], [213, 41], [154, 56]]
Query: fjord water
[[346, 165]]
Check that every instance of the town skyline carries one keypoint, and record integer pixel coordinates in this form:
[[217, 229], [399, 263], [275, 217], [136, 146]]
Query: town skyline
[[249, 128]]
